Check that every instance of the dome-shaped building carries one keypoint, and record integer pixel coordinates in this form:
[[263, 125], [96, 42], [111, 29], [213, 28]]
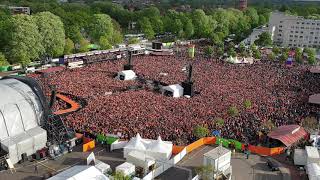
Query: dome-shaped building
[[23, 110]]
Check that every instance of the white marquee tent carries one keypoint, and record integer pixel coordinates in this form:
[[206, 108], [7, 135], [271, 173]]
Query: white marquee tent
[[157, 149], [80, 173]]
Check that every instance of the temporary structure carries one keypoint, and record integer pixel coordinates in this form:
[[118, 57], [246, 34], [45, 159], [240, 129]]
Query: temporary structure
[[219, 158], [80, 173], [312, 154], [135, 144], [140, 159], [313, 171], [160, 150], [21, 113], [102, 167], [126, 75], [300, 157], [126, 168], [174, 90], [157, 149]]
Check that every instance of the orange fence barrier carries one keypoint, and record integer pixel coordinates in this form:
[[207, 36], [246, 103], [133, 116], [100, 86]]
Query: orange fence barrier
[[209, 140], [88, 146], [212, 140], [177, 149], [195, 145], [266, 151], [74, 106]]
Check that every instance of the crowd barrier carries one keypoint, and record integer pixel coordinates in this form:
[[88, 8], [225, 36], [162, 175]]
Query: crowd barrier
[[88, 146], [105, 139], [74, 106], [166, 165], [118, 145], [226, 143]]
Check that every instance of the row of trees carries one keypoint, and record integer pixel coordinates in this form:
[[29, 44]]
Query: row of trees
[[25, 38]]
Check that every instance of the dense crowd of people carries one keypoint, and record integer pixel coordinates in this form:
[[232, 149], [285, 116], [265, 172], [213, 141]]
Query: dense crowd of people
[[278, 94]]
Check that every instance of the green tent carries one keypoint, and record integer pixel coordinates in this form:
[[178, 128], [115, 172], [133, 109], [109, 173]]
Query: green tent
[[4, 68]]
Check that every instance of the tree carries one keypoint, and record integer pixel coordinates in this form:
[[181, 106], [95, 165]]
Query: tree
[[264, 39], [310, 124], [200, 131], [84, 45], [120, 176], [284, 56], [116, 38], [208, 51], [3, 60], [257, 54], [104, 42], [271, 56], [133, 41], [298, 56], [311, 55], [233, 111], [253, 16], [232, 52], [219, 122], [52, 31], [247, 104], [146, 27], [188, 29], [242, 49], [24, 44], [268, 125], [205, 172], [69, 46], [276, 50], [101, 25]]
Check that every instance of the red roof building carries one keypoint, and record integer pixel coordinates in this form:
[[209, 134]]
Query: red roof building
[[288, 134]]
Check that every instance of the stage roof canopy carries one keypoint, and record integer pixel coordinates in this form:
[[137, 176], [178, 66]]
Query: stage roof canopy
[[314, 99], [288, 134]]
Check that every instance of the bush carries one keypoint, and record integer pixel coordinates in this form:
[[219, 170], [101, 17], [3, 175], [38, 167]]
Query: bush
[[3, 60], [133, 41], [233, 111], [200, 131], [219, 121], [271, 56], [247, 104]]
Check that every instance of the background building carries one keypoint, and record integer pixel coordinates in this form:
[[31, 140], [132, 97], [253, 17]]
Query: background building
[[294, 31]]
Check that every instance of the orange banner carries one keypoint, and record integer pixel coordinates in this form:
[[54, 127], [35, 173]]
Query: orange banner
[[88, 146]]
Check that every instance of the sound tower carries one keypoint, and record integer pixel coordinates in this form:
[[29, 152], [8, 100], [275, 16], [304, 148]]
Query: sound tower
[[129, 65], [187, 85]]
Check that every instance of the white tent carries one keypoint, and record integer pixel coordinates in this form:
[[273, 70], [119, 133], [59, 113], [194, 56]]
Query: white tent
[[312, 154], [135, 144], [140, 159], [126, 75], [313, 171], [157, 149], [160, 150], [126, 168], [175, 89], [80, 173]]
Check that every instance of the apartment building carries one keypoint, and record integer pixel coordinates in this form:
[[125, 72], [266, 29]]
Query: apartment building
[[294, 31]]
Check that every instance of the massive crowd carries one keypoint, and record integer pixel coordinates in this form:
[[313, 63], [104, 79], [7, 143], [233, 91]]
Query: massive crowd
[[277, 93]]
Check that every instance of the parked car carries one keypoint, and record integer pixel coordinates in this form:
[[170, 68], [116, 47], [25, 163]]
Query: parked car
[[273, 164]]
